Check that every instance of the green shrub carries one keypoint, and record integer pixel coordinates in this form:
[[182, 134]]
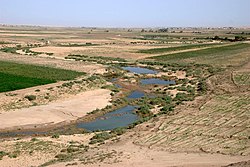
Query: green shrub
[[55, 136], [8, 50], [144, 110], [34, 139], [72, 149], [168, 99], [167, 108], [181, 88], [182, 97], [13, 155], [118, 131], [30, 97], [100, 137], [190, 89], [202, 87], [2, 154]]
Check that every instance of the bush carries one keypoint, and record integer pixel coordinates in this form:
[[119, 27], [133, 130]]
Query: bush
[[168, 99], [30, 97], [2, 154], [72, 149], [190, 89], [34, 139], [166, 109], [8, 50], [100, 137], [118, 131], [181, 88], [144, 110], [55, 136], [182, 97], [202, 87]]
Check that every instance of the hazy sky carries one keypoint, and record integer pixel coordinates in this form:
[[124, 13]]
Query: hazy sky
[[126, 13]]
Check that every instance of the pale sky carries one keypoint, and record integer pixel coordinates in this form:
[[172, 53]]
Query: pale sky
[[126, 13]]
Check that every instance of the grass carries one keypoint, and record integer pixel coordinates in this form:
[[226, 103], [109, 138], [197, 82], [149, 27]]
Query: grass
[[16, 76], [171, 49], [205, 52]]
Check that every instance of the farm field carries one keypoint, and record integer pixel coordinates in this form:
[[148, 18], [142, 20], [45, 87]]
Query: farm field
[[222, 55], [19, 76], [179, 48], [192, 109]]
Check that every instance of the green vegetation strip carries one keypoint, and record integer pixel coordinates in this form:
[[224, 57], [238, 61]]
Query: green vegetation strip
[[97, 59], [9, 50], [223, 50], [178, 48], [15, 76]]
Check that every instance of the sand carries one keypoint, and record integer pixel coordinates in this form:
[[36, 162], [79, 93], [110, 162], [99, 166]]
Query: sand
[[56, 112], [138, 156]]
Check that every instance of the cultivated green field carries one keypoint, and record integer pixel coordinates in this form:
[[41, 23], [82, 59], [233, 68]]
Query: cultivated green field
[[178, 48], [224, 55], [15, 76]]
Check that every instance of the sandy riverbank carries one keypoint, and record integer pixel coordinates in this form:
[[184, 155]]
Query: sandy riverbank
[[58, 111]]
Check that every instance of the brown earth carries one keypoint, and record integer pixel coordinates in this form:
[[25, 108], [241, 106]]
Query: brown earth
[[213, 130], [65, 110]]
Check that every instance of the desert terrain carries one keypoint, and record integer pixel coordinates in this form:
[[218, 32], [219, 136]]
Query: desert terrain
[[124, 97]]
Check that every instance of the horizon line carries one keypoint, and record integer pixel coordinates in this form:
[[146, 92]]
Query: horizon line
[[108, 27]]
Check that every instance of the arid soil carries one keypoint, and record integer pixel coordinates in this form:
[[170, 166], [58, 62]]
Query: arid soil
[[212, 130], [59, 111]]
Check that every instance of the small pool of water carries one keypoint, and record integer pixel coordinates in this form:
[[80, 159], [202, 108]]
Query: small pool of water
[[136, 94], [139, 70], [118, 118], [156, 81]]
